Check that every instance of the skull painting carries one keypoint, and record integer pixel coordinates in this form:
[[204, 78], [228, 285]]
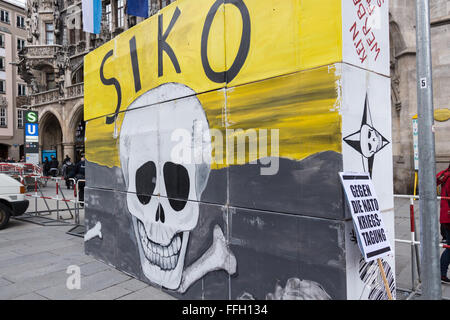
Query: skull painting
[[367, 141], [371, 141], [162, 190]]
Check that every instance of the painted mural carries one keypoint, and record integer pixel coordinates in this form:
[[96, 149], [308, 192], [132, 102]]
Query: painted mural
[[215, 133]]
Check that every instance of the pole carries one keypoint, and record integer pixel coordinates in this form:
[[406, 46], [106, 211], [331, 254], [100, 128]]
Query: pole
[[429, 233], [383, 275], [411, 218], [416, 246]]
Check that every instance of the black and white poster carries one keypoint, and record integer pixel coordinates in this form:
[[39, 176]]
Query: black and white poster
[[366, 215]]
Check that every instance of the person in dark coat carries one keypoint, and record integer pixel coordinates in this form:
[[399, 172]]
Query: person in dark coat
[[68, 172], [46, 166], [80, 175], [443, 178], [64, 165], [66, 159], [54, 166]]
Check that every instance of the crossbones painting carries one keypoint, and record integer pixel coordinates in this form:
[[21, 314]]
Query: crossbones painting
[[163, 191]]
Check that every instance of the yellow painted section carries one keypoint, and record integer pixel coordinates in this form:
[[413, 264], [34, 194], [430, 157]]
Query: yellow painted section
[[184, 39], [101, 146], [303, 107], [279, 85], [286, 36], [442, 115]]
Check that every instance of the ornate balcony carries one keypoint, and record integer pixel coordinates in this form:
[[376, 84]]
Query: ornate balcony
[[53, 96], [43, 98], [75, 91], [39, 55]]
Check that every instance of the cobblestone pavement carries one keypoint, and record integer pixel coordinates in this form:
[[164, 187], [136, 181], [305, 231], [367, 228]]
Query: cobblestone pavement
[[34, 260]]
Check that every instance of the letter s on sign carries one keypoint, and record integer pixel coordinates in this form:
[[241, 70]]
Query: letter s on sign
[[108, 82]]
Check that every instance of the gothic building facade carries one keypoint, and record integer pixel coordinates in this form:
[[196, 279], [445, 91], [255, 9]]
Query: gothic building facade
[[404, 86], [12, 87], [51, 63]]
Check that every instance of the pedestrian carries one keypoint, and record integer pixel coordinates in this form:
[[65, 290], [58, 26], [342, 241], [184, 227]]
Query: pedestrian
[[68, 172], [80, 175], [66, 162], [46, 166], [54, 166], [443, 179], [67, 158]]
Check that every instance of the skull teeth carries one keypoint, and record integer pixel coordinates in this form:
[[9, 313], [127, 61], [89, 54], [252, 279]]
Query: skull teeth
[[165, 257]]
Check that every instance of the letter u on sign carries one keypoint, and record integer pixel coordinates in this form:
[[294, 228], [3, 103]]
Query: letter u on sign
[[31, 129]]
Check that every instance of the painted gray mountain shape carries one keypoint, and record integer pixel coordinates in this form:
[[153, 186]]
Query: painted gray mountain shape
[[308, 187], [307, 191]]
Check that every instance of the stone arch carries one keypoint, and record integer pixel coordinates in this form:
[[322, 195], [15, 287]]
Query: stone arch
[[397, 42], [76, 124], [77, 74], [75, 114], [46, 112], [51, 133]]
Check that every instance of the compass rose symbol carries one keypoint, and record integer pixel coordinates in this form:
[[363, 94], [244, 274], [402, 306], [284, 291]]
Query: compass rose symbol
[[367, 141]]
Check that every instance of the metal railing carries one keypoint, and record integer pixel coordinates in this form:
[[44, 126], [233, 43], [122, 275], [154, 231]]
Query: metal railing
[[415, 256]]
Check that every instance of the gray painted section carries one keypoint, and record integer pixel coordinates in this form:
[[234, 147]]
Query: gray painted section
[[293, 239]]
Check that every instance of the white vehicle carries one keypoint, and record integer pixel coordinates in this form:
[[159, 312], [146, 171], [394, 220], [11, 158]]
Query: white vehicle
[[12, 199]]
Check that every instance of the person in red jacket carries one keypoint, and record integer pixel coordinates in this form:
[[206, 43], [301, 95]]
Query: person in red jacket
[[443, 178]]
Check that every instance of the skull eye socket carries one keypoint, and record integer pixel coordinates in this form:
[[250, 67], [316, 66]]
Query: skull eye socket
[[145, 182], [370, 134], [176, 179]]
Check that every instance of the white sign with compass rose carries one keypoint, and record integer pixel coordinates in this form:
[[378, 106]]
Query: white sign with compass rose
[[367, 147]]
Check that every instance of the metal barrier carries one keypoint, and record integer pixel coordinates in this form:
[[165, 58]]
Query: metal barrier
[[79, 229], [38, 216], [415, 244], [21, 171]]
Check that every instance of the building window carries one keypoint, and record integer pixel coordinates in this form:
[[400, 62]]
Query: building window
[[3, 119], [4, 16], [108, 16], [21, 89], [72, 36], [20, 118], [20, 44], [120, 15], [2, 40], [20, 22], [49, 33], [50, 80], [82, 35], [2, 86], [2, 64]]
